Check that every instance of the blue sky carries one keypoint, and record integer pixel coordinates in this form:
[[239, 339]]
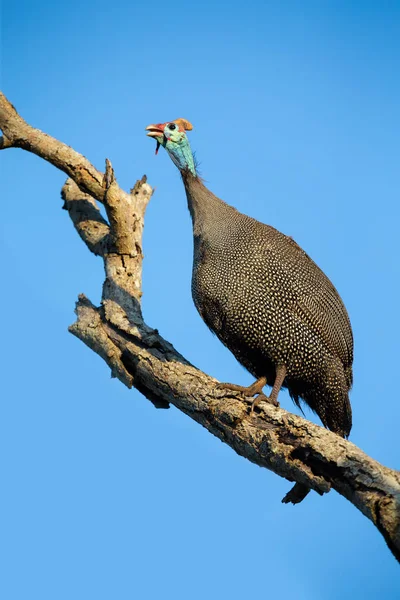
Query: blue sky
[[295, 108]]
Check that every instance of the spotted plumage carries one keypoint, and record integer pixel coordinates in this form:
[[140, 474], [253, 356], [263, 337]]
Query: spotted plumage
[[265, 299]]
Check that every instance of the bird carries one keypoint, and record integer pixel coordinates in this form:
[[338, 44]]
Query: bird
[[265, 299]]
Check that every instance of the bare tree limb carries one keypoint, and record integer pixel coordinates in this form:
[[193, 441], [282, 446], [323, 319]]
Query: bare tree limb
[[5, 142], [86, 217], [122, 290], [138, 356], [89, 327], [18, 134]]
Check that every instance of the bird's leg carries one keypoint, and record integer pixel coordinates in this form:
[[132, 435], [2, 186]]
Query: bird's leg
[[273, 397]]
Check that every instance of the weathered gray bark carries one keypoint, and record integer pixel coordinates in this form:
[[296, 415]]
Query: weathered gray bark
[[289, 445]]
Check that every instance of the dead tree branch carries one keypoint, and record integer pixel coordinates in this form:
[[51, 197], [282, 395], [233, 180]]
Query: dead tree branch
[[138, 356]]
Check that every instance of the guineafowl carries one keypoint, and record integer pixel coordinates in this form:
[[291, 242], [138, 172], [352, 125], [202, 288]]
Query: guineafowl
[[265, 299]]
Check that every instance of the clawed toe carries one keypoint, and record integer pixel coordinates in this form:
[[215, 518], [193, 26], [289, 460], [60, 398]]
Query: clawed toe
[[232, 387], [263, 398], [272, 401], [252, 390]]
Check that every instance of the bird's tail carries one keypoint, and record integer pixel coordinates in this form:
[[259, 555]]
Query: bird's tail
[[329, 398], [332, 403]]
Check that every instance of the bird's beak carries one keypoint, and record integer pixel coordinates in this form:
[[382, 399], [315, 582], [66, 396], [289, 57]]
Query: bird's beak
[[156, 131]]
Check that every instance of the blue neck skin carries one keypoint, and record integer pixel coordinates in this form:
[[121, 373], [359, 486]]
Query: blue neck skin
[[181, 154]]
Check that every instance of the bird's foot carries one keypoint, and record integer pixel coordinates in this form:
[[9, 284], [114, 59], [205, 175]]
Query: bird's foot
[[252, 390], [263, 398]]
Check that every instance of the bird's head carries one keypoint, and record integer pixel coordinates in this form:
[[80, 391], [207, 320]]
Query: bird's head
[[172, 136]]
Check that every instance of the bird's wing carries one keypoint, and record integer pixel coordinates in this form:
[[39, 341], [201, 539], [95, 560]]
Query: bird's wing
[[311, 295]]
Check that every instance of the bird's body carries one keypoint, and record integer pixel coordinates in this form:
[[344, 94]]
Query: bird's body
[[270, 304]]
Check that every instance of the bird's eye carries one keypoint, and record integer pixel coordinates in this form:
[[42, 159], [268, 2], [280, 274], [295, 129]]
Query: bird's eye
[[172, 126]]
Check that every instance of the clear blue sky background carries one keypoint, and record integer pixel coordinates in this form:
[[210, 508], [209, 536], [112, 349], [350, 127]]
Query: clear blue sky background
[[296, 113]]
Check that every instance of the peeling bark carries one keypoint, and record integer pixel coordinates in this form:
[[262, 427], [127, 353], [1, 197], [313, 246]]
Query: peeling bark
[[138, 356]]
